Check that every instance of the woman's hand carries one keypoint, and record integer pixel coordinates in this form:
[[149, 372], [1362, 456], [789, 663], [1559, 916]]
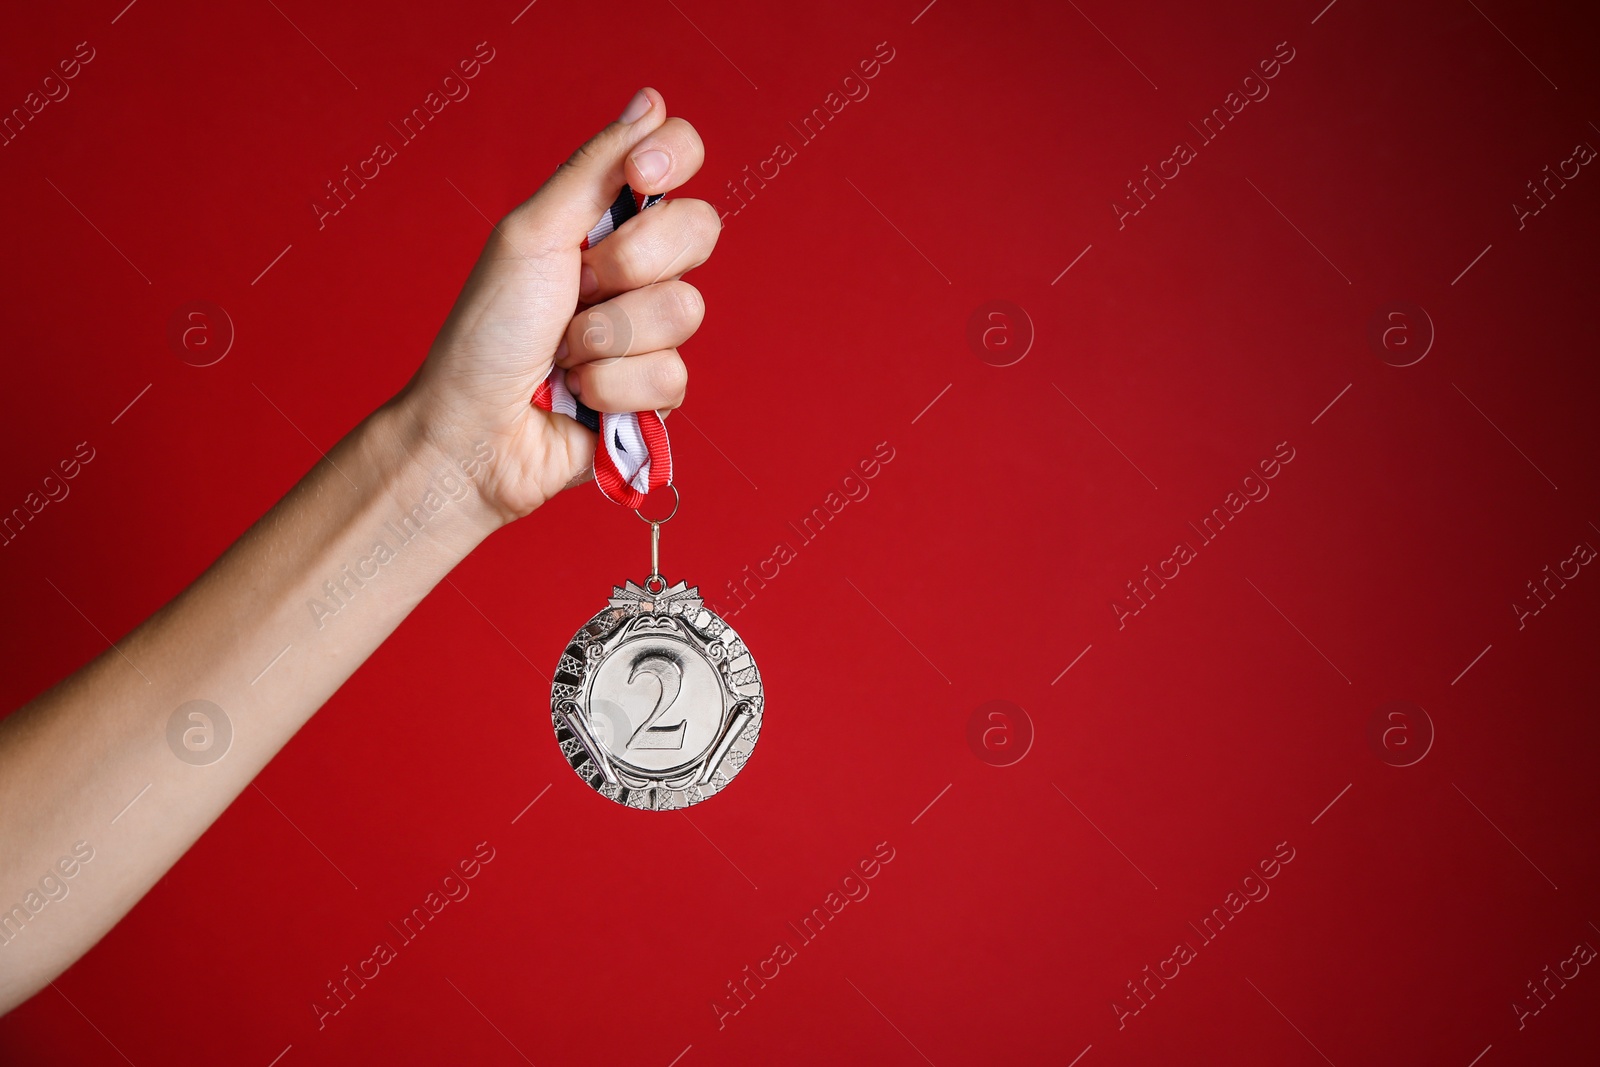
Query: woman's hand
[[279, 622], [515, 315]]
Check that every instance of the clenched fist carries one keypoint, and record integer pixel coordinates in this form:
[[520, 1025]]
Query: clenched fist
[[613, 315]]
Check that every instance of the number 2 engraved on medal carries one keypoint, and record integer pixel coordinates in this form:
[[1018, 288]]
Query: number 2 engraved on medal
[[669, 679]]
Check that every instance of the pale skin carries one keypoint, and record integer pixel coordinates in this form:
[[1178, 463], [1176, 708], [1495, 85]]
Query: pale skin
[[71, 759]]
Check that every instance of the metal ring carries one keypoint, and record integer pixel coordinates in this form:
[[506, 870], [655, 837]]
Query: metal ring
[[677, 498], [655, 584]]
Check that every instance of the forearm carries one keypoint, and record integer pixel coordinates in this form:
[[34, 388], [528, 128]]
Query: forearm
[[322, 579], [111, 758]]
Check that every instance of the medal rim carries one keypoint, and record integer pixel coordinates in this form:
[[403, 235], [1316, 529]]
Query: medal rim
[[682, 604]]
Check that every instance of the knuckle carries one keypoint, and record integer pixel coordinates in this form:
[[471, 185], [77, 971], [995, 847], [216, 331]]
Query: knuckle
[[701, 226], [688, 307], [583, 155], [669, 377], [628, 259]]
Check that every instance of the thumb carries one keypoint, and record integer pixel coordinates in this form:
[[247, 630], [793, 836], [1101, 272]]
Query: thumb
[[560, 215]]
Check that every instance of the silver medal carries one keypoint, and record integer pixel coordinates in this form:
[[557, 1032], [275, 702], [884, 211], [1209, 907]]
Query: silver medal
[[656, 702]]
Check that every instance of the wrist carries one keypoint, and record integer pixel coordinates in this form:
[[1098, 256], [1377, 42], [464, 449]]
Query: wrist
[[438, 468]]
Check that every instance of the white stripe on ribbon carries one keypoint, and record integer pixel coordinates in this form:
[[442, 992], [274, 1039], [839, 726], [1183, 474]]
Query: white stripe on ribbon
[[561, 398], [625, 443], [602, 229]]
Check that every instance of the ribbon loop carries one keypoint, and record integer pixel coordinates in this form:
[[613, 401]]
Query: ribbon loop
[[633, 455]]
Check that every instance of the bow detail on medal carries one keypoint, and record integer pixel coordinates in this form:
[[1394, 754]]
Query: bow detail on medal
[[676, 599], [633, 455]]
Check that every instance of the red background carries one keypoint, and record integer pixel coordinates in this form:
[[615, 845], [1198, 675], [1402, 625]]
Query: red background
[[1220, 721]]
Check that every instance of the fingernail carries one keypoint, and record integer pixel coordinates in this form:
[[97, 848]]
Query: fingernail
[[652, 165], [561, 352], [636, 108], [588, 284]]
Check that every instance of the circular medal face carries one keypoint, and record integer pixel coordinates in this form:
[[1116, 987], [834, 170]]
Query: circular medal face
[[656, 702]]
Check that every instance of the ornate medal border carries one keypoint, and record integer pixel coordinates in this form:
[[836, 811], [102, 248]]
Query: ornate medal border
[[741, 721]]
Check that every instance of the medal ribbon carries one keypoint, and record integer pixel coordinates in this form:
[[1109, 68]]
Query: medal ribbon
[[633, 455]]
